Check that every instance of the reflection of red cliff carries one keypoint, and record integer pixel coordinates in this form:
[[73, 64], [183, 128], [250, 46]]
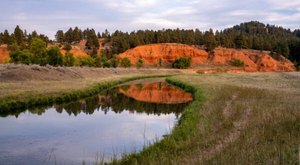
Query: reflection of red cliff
[[157, 93]]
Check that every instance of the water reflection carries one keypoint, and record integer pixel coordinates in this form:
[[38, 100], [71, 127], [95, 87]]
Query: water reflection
[[150, 98], [110, 123]]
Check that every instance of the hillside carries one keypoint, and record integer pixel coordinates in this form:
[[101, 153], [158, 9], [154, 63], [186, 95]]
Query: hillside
[[168, 53], [253, 60]]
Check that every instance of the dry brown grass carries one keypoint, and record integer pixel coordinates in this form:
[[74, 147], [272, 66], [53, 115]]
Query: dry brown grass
[[20, 82], [270, 133]]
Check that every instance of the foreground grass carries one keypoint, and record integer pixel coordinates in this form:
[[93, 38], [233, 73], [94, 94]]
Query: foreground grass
[[244, 119]]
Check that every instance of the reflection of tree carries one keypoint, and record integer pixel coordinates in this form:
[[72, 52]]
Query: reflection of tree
[[110, 100]]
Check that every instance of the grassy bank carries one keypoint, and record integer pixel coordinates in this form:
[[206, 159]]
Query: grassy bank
[[15, 105], [244, 119]]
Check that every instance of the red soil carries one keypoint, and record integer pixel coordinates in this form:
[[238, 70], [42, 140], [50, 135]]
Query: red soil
[[4, 54], [254, 61], [168, 53], [76, 52]]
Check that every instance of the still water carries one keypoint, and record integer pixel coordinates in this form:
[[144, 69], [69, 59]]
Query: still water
[[121, 120]]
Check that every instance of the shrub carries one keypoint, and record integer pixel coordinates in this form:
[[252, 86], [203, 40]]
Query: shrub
[[139, 63], [237, 62], [23, 57], [182, 63], [55, 58], [86, 61], [69, 59], [114, 62], [125, 62]]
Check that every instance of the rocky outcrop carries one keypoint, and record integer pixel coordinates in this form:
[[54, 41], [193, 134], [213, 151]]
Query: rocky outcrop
[[4, 54], [167, 53], [254, 61], [157, 93]]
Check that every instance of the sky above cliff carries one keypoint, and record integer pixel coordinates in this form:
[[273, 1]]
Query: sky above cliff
[[48, 16]]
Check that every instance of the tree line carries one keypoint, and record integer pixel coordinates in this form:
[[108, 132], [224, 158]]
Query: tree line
[[249, 35]]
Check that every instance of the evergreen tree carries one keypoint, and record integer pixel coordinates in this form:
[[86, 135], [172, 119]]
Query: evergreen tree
[[19, 36], [59, 36], [209, 40], [6, 39]]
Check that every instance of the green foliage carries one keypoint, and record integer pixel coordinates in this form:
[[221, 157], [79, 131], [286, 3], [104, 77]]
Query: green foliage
[[114, 62], [237, 62], [282, 48], [55, 58], [92, 40], [67, 46], [105, 63], [86, 61], [19, 36], [139, 63], [210, 40], [159, 62], [21, 57], [13, 47], [125, 62], [38, 48], [182, 63], [59, 36]]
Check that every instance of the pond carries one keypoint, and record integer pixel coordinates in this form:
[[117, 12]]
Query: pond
[[121, 120]]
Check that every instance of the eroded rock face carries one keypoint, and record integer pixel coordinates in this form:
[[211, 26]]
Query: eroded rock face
[[254, 60], [4, 55], [168, 53], [157, 92]]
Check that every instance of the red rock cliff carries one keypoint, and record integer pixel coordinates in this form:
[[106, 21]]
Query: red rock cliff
[[4, 54], [254, 60], [151, 54]]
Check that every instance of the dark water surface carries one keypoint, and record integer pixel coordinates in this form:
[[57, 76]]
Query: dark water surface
[[121, 120]]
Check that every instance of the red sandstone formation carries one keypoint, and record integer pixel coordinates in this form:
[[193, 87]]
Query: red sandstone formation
[[254, 61], [168, 53], [4, 54], [157, 93]]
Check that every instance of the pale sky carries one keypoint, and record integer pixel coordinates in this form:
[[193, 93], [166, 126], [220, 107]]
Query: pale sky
[[48, 16]]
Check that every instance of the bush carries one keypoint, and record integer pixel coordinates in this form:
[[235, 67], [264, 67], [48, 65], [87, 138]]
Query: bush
[[182, 63], [86, 61], [114, 62], [107, 64], [21, 57], [237, 62], [125, 62], [69, 59], [139, 63], [55, 58]]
